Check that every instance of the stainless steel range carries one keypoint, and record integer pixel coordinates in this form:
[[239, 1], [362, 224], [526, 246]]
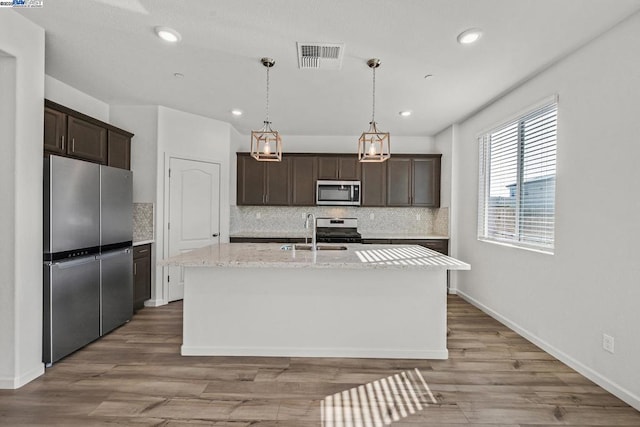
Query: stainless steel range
[[337, 230]]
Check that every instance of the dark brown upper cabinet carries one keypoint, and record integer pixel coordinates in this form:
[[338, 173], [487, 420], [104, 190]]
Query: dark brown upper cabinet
[[119, 150], [346, 167], [374, 184], [263, 183], [403, 180], [55, 131], [304, 172], [413, 180], [425, 181], [86, 140], [72, 134]]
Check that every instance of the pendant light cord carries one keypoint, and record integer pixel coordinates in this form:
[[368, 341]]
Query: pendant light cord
[[267, 120], [373, 109]]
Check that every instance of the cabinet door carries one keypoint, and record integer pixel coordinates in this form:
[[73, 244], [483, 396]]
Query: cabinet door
[[398, 181], [327, 167], [119, 150], [348, 168], [86, 140], [250, 185], [141, 275], [374, 184], [303, 180], [426, 182], [55, 128], [278, 189]]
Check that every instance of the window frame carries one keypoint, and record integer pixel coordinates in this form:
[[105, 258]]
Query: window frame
[[484, 174]]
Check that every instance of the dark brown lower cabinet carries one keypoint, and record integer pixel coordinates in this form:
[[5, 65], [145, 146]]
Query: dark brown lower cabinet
[[141, 275], [439, 245]]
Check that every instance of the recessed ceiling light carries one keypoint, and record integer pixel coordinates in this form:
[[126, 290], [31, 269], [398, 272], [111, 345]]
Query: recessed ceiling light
[[178, 75], [405, 113], [469, 36], [168, 34], [236, 112]]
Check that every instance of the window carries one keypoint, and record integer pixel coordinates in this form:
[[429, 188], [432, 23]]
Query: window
[[518, 180]]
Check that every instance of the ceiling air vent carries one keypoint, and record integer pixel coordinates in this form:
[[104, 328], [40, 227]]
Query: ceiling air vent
[[320, 56]]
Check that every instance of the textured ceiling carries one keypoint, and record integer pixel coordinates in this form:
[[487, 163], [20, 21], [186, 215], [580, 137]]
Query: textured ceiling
[[108, 49]]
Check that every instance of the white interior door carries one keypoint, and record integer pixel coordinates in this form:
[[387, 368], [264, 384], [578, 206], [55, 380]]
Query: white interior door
[[194, 213]]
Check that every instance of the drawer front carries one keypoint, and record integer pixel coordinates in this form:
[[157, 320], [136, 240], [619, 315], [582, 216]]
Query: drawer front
[[141, 251]]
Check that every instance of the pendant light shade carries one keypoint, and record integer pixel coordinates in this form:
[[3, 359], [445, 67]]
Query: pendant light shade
[[266, 144], [373, 145]]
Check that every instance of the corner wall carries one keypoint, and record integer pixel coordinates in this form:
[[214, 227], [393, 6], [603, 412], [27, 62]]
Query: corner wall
[[63, 94], [189, 136], [590, 286], [21, 118]]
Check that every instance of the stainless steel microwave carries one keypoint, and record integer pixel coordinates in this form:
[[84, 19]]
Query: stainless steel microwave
[[340, 193]]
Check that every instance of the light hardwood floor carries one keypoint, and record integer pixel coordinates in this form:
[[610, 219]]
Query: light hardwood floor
[[136, 376]]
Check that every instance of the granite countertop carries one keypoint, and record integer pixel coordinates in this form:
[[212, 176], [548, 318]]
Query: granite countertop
[[295, 234], [365, 235], [357, 256], [142, 242]]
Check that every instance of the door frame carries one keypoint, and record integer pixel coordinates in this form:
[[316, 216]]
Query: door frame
[[166, 209]]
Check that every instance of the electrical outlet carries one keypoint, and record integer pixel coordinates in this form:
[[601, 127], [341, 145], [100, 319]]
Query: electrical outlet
[[418, 217], [608, 343], [258, 216], [372, 216]]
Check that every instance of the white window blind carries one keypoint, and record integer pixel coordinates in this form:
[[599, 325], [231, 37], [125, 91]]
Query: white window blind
[[518, 179]]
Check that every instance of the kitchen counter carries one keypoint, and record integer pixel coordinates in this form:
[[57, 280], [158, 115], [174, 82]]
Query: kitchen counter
[[383, 301], [296, 234], [143, 242], [357, 256], [365, 235]]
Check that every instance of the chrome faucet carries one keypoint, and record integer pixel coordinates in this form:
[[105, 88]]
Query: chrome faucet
[[313, 224]]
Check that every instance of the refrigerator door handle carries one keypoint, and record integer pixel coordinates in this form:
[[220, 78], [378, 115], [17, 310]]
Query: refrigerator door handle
[[112, 254], [73, 262]]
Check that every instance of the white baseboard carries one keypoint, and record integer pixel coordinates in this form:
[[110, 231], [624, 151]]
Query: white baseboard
[[17, 382], [594, 376], [313, 352], [154, 302]]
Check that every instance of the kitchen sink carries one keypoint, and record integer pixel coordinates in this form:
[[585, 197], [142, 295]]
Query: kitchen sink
[[303, 247]]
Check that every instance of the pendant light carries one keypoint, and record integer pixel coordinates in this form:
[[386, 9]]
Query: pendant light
[[266, 144], [373, 145]]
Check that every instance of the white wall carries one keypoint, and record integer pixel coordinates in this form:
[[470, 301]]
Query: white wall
[[21, 117], [447, 145], [62, 93], [142, 121], [591, 285], [189, 136]]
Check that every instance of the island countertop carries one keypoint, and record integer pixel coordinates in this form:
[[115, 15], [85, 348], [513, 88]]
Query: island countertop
[[356, 256]]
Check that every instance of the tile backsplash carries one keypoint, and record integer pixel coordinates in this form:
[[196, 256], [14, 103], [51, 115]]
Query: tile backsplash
[[370, 220], [142, 222]]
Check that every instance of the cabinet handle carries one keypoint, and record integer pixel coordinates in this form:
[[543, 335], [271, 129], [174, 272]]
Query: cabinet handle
[[73, 144], [135, 269], [215, 234], [143, 251], [62, 142]]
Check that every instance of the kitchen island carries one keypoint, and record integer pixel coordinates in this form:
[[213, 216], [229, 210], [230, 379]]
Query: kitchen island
[[382, 301]]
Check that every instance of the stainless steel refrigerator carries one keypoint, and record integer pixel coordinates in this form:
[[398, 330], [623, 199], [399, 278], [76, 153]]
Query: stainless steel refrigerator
[[88, 262]]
